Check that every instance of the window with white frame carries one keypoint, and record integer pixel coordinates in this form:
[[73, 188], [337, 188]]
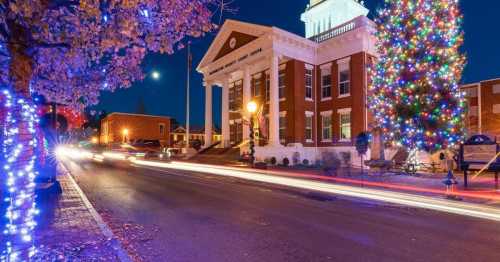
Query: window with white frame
[[257, 84], [281, 84], [496, 89], [238, 93], [474, 111], [326, 82], [344, 78], [471, 92], [309, 127], [268, 87], [496, 109], [232, 105], [162, 129], [345, 125], [282, 127], [309, 82], [326, 126]]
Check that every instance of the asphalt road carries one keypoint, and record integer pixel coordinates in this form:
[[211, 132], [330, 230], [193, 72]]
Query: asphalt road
[[176, 216]]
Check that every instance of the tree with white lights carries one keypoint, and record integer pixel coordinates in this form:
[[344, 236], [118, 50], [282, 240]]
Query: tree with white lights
[[69, 51]]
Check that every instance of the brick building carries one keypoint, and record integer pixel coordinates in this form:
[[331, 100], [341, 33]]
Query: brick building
[[178, 135], [484, 107], [311, 90], [122, 127]]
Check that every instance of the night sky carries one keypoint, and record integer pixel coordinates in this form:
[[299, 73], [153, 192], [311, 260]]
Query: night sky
[[167, 96]]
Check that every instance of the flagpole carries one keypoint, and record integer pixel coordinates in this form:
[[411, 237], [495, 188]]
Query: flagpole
[[189, 61]]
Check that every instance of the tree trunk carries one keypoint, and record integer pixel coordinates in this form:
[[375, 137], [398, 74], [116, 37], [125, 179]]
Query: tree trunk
[[19, 130]]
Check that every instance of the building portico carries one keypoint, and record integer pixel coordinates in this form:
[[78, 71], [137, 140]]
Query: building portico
[[310, 92]]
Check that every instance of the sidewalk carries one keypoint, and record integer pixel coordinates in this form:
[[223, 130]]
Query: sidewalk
[[68, 229]]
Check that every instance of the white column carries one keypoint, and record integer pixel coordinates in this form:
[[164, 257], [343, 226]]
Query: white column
[[225, 114], [208, 114], [274, 103], [247, 96]]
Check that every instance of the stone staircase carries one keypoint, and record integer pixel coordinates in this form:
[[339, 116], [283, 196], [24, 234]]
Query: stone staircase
[[219, 156]]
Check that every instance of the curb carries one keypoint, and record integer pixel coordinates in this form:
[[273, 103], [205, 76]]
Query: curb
[[115, 244]]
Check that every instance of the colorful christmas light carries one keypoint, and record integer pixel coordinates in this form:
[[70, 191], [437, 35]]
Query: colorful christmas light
[[19, 136], [416, 98]]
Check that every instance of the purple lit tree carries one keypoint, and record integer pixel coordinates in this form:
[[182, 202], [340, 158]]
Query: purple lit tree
[[69, 51]]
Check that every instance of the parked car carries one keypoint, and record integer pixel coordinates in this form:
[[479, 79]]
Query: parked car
[[150, 148]]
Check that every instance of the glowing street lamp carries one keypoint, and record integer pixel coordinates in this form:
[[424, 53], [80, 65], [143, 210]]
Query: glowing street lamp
[[94, 140], [125, 133], [252, 108]]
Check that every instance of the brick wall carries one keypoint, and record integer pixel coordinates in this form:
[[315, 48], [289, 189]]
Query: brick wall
[[138, 126]]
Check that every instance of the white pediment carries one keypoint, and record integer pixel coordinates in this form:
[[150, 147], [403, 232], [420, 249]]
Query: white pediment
[[225, 31]]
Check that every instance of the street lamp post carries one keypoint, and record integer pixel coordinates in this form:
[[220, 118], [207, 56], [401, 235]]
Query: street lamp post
[[252, 108], [125, 135]]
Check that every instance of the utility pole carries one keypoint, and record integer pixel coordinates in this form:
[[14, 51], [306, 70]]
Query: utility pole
[[189, 62]]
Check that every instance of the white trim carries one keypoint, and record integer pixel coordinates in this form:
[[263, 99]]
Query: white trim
[[326, 113], [496, 109], [326, 99], [309, 113], [326, 66], [282, 99], [344, 95], [283, 113], [496, 89], [257, 75], [344, 110], [309, 141], [309, 66], [309, 99], [346, 60], [326, 140], [282, 67]]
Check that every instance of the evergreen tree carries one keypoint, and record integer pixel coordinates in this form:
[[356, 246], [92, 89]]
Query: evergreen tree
[[415, 93]]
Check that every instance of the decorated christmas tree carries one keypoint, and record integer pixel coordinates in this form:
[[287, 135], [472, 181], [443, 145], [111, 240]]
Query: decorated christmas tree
[[415, 97]]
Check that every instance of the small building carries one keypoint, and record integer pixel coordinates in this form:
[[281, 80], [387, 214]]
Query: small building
[[484, 107], [178, 135], [127, 128]]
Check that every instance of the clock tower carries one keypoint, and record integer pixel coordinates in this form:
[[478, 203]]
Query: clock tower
[[323, 15]]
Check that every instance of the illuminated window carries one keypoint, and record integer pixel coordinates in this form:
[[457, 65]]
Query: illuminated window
[[309, 127], [344, 79], [326, 126], [345, 126]]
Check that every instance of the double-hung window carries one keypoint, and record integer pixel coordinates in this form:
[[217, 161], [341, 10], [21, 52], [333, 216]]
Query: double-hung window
[[282, 127], [326, 126], [281, 84], [344, 78], [326, 82], [268, 87], [345, 124], [309, 127], [257, 83], [309, 82]]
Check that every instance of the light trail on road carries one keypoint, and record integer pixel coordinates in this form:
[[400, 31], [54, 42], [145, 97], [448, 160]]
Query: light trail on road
[[277, 178], [466, 209]]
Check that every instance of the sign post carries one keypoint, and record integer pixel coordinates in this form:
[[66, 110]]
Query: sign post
[[480, 153]]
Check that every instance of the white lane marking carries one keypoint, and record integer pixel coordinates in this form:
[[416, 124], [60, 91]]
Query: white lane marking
[[106, 231]]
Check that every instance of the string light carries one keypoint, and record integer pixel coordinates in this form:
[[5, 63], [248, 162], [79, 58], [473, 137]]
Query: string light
[[416, 97], [19, 139]]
